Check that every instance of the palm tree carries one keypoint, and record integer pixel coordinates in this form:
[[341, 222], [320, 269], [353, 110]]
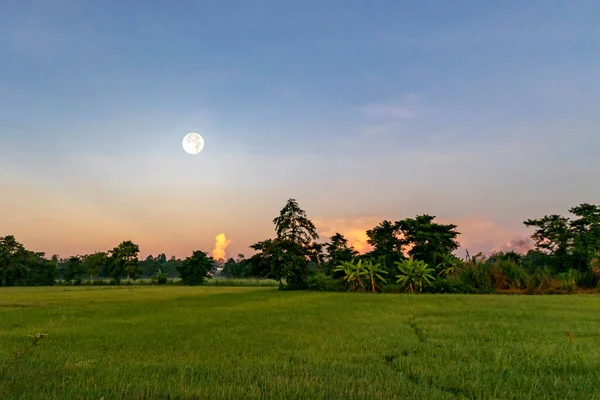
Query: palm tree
[[413, 274], [374, 272], [354, 274]]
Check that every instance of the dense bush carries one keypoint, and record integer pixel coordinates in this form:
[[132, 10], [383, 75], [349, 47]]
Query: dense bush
[[392, 287], [478, 277], [540, 279], [160, 278], [477, 274], [325, 283], [195, 269], [451, 284], [509, 275], [587, 279]]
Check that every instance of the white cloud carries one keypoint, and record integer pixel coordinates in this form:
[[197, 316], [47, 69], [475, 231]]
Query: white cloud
[[387, 111], [380, 129]]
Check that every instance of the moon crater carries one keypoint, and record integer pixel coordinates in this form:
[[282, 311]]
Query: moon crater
[[193, 143]]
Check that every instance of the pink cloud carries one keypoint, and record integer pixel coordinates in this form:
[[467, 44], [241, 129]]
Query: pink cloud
[[479, 233]]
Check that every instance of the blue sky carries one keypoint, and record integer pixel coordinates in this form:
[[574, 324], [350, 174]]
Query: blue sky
[[483, 113]]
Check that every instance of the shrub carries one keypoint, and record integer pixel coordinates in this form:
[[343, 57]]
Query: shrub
[[451, 284], [486, 277], [449, 265], [568, 280], [160, 278], [478, 277], [508, 275], [324, 283], [392, 288], [540, 279], [588, 279]]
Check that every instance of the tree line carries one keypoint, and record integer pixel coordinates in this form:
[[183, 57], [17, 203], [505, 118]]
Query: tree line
[[22, 267], [417, 254], [408, 255]]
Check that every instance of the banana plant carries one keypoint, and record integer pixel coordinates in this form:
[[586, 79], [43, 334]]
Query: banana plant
[[374, 272], [449, 264], [414, 275], [354, 274]]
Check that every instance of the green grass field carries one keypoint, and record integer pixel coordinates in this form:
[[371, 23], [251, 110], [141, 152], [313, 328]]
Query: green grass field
[[179, 342], [213, 281]]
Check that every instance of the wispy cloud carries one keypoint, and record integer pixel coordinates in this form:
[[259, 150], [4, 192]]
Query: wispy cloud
[[387, 111], [380, 129], [514, 24], [390, 115]]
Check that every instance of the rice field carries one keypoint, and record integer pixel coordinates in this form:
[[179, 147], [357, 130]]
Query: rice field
[[213, 281], [241, 342]]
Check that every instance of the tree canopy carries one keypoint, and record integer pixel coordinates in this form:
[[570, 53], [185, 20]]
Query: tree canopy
[[287, 256], [429, 241], [195, 269]]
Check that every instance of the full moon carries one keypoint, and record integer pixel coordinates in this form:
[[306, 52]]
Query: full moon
[[193, 143]]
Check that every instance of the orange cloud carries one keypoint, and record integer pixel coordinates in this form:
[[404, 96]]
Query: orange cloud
[[221, 243], [358, 239], [354, 230]]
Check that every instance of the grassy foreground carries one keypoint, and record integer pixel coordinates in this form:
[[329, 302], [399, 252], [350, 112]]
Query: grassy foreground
[[249, 342], [213, 281]]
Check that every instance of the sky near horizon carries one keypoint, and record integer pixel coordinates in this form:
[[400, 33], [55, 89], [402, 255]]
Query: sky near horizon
[[483, 113]]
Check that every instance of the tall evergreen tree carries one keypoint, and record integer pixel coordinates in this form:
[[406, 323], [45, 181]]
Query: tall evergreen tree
[[288, 255]]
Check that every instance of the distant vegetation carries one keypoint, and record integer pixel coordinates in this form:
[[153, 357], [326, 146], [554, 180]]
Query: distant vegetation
[[410, 255]]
